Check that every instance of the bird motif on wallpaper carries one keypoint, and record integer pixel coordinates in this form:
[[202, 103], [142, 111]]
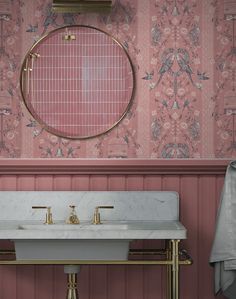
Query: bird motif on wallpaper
[[202, 76], [182, 58], [148, 76], [176, 63], [167, 62], [156, 34], [32, 28]]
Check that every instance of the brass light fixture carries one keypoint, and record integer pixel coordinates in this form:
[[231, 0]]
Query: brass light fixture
[[81, 6]]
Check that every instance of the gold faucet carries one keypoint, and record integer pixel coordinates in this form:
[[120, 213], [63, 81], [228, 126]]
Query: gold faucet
[[73, 218], [48, 219], [96, 215]]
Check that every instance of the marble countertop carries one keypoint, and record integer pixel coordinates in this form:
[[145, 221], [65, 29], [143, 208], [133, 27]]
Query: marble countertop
[[16, 230]]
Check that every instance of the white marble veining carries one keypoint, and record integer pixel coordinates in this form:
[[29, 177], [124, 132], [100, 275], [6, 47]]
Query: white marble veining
[[128, 205], [136, 215]]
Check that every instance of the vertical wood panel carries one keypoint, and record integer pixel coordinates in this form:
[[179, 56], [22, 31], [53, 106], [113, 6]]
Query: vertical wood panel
[[98, 274], [206, 222], [116, 183], [26, 183], [98, 282], [98, 183], [25, 281], [1, 280], [171, 183], [116, 276], [84, 282], [153, 182], [9, 283], [135, 276], [116, 282], [134, 288], [188, 204], [44, 283], [8, 182], [44, 182], [62, 182], [80, 182], [154, 276], [44, 275], [135, 182], [60, 283], [25, 275]]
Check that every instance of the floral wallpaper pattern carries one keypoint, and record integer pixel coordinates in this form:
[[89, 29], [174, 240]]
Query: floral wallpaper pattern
[[169, 71], [225, 82], [10, 112]]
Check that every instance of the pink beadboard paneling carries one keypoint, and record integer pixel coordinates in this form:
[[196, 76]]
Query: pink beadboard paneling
[[116, 182], [199, 190], [44, 282], [116, 282], [60, 282], [26, 182], [116, 288], [8, 182], [188, 204], [98, 282], [98, 182], [44, 182], [206, 221], [154, 277], [9, 285], [84, 282], [45, 278], [25, 281], [62, 182], [80, 182]]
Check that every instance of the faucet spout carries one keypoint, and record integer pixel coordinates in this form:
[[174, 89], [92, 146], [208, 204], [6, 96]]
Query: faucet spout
[[73, 218]]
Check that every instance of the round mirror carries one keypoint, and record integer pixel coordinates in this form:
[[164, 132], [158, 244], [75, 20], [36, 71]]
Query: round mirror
[[77, 82]]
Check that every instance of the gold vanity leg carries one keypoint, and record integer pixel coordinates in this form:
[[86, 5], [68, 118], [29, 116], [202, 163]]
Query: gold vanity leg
[[71, 271], [169, 269], [72, 292], [175, 269]]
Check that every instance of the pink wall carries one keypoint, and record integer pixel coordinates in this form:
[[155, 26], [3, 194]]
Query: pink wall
[[199, 185], [189, 117], [176, 114]]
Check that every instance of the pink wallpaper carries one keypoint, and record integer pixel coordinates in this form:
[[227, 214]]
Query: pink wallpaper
[[184, 56]]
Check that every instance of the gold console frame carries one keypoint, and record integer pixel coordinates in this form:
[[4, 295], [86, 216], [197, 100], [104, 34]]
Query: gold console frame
[[173, 258]]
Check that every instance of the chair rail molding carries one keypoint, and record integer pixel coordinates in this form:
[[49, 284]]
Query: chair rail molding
[[113, 166]]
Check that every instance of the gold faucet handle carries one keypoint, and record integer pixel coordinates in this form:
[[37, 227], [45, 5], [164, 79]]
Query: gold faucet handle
[[48, 219], [96, 216], [104, 207]]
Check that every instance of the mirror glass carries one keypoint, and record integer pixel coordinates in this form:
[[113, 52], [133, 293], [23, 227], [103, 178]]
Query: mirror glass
[[77, 82]]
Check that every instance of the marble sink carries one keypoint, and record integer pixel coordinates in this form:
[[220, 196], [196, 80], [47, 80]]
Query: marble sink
[[136, 215]]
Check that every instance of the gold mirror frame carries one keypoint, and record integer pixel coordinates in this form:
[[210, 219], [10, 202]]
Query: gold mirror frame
[[23, 80]]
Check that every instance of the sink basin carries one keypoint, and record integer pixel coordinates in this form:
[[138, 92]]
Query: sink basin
[[91, 248], [136, 215]]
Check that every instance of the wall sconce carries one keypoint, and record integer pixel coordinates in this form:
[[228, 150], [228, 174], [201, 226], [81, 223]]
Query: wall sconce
[[81, 6]]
